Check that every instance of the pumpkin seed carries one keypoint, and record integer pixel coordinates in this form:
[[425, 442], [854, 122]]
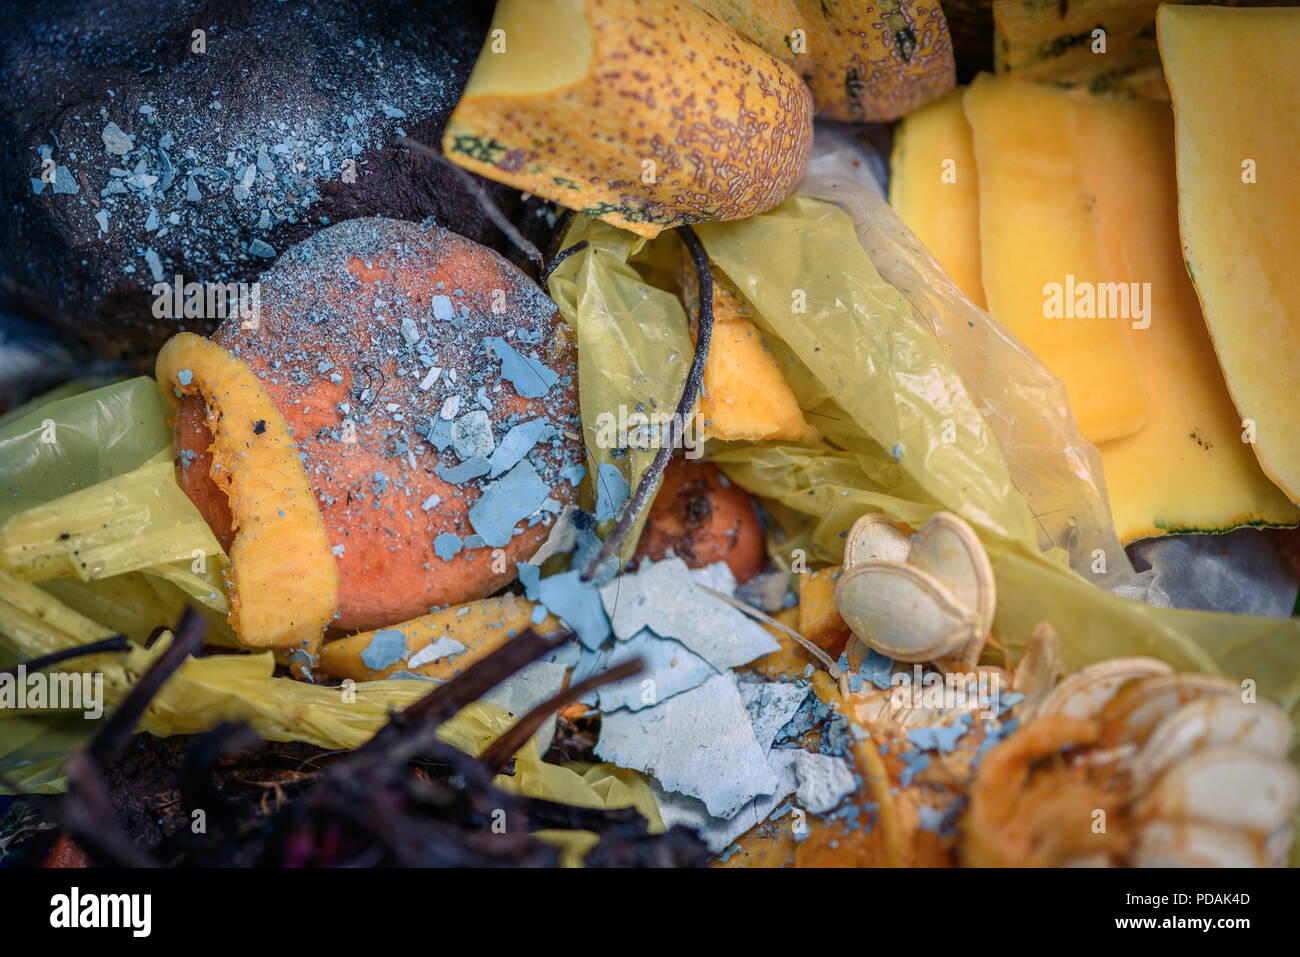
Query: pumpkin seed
[[1229, 787], [1260, 728], [902, 611], [876, 535]]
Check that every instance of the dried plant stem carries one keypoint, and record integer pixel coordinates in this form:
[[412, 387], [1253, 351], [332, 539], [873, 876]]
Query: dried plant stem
[[485, 203], [690, 392], [498, 754], [116, 643]]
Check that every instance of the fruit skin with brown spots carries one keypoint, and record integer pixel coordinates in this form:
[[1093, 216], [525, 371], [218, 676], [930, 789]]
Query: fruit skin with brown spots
[[704, 518], [333, 309], [866, 61], [647, 114]]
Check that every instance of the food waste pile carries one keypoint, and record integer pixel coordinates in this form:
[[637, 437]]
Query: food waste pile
[[658, 433]]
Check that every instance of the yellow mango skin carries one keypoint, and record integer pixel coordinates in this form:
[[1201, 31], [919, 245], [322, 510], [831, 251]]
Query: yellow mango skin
[[1051, 42], [282, 580], [1037, 226], [1234, 77], [745, 396], [481, 626], [791, 658], [1186, 469], [866, 60], [934, 188], [670, 117]]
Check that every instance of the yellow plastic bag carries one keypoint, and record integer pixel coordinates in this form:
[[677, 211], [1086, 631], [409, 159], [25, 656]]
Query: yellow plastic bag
[[817, 490], [875, 367], [634, 345], [48, 449], [89, 543], [811, 285], [240, 687], [136, 521], [1052, 465]]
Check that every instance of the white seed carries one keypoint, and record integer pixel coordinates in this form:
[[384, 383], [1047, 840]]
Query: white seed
[[901, 611], [1193, 844], [1260, 727], [1085, 692], [948, 548], [876, 535], [1135, 711], [1226, 786], [1036, 670]]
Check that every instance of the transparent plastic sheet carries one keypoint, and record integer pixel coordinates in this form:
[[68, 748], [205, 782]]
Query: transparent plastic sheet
[[816, 490], [138, 520], [634, 344], [1052, 465], [906, 418], [48, 449]]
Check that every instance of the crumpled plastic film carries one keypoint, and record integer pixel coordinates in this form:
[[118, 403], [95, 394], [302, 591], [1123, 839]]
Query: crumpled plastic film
[[810, 284], [634, 345], [814, 492], [817, 489], [53, 448], [239, 687], [135, 521], [1054, 467]]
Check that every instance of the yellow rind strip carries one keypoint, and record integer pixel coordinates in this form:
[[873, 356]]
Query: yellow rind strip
[[282, 581]]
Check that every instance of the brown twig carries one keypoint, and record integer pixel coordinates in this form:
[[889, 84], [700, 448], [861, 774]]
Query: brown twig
[[497, 755], [409, 732], [112, 739], [690, 391], [485, 203], [116, 643], [560, 257]]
